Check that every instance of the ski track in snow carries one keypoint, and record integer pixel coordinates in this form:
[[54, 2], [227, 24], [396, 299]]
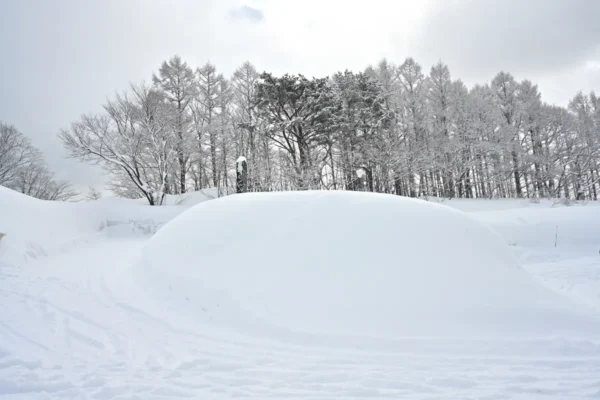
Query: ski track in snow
[[92, 335]]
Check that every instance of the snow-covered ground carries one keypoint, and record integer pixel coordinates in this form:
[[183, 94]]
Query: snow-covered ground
[[312, 295]]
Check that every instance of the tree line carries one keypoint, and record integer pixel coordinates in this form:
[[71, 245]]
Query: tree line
[[390, 128]]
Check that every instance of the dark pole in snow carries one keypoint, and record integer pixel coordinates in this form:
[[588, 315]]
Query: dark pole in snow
[[241, 169]]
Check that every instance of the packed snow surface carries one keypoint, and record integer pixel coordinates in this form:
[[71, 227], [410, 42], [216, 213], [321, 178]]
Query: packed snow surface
[[302, 295]]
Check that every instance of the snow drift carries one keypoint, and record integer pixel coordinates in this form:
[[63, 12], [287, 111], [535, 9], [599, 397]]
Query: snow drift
[[33, 227], [346, 263]]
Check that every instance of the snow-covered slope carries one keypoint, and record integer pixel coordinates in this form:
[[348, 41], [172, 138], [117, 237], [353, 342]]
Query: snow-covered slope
[[192, 198], [495, 205], [547, 227], [33, 227], [350, 263], [296, 295]]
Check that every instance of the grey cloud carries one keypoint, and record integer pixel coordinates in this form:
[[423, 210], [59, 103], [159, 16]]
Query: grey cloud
[[481, 37], [246, 12]]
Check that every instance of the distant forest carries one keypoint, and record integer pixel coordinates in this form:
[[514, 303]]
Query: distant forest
[[390, 128]]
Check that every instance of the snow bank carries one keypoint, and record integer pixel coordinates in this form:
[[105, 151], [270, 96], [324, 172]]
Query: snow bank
[[480, 205], [30, 224], [33, 227], [346, 263]]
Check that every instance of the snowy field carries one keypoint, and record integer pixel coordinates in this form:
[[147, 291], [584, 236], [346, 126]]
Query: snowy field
[[303, 295]]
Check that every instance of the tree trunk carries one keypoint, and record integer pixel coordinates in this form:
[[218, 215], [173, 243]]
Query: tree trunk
[[213, 158], [398, 185], [369, 174], [518, 187]]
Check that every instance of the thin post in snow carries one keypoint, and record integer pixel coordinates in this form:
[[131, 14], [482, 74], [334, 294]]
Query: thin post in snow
[[556, 236]]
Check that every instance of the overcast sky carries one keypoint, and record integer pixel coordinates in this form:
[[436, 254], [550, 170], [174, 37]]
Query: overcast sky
[[62, 58]]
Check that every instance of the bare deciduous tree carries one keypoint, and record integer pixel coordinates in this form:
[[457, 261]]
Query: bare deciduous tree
[[16, 152], [177, 82], [391, 129], [131, 140], [22, 168], [93, 194]]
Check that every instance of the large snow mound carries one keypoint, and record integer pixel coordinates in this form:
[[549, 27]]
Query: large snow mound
[[346, 263]]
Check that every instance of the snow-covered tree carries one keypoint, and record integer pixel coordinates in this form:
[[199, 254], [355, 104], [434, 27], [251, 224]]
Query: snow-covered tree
[[443, 138], [131, 140], [93, 194], [413, 120], [37, 181], [16, 152], [299, 115], [389, 129], [507, 99], [176, 81], [249, 142], [208, 108], [360, 120], [586, 112], [22, 168]]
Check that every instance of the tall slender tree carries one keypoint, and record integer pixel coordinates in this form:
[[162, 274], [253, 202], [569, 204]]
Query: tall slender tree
[[177, 82]]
